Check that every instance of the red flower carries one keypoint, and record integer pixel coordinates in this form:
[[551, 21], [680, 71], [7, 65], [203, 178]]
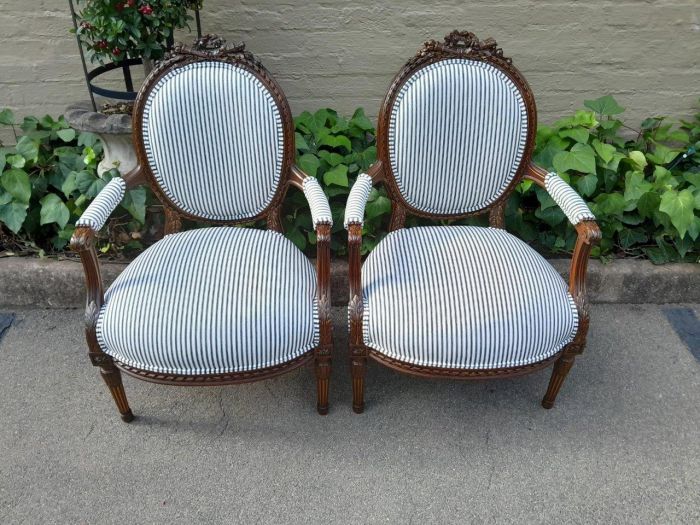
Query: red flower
[[119, 7], [116, 51], [131, 3], [146, 9], [102, 44], [86, 25]]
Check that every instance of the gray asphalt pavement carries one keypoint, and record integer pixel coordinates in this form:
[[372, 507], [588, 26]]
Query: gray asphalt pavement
[[622, 445]]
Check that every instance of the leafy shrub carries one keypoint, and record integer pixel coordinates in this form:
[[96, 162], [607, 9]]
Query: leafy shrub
[[46, 182], [643, 185], [644, 190], [334, 150]]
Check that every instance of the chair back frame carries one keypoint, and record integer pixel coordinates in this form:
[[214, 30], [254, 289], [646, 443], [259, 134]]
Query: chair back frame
[[239, 57], [465, 45]]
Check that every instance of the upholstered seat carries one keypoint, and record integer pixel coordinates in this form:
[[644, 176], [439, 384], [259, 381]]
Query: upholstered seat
[[212, 301], [463, 297]]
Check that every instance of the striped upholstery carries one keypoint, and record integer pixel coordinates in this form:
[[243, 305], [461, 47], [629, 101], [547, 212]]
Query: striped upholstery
[[318, 202], [573, 206], [463, 297], [214, 140], [210, 301], [103, 205], [355, 207], [457, 134]]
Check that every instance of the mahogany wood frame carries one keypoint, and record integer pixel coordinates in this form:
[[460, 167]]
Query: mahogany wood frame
[[83, 242], [461, 45]]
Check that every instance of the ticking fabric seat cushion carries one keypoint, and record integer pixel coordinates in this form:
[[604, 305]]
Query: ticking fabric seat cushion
[[212, 301], [463, 297]]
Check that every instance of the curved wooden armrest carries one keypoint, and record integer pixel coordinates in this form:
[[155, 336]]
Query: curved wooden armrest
[[376, 172], [588, 236]]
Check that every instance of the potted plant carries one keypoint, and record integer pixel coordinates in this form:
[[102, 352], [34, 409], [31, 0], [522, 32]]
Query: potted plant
[[118, 34]]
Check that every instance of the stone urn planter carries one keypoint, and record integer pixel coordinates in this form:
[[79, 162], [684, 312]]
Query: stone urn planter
[[113, 130]]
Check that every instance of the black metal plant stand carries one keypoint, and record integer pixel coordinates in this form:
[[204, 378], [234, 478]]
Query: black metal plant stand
[[124, 65]]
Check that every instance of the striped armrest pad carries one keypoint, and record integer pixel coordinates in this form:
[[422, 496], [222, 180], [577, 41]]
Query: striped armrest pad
[[103, 205], [573, 206], [318, 202], [355, 207]]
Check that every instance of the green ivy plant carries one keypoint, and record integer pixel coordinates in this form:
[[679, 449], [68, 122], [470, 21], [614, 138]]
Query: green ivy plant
[[334, 150], [47, 180], [642, 184]]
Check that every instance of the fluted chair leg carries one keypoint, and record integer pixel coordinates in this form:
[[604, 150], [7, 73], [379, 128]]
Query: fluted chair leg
[[323, 376], [561, 370], [113, 378], [358, 371]]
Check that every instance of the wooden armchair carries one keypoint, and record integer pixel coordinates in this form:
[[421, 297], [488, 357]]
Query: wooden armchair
[[218, 305], [455, 135]]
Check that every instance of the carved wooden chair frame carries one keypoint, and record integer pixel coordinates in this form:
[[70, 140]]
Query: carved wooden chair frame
[[461, 45], [83, 242]]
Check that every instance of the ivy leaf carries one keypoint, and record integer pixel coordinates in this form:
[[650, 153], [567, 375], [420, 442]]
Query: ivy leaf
[[379, 206], [69, 184], [638, 159], [635, 186], [300, 142], [16, 161], [337, 175], [361, 121], [309, 164], [587, 185], [88, 184], [578, 134], [333, 159], [27, 148], [629, 237], [297, 237], [339, 141], [604, 151], [134, 202], [17, 184], [610, 204], [53, 209], [66, 135], [580, 158], [13, 215], [679, 205], [606, 105], [7, 118]]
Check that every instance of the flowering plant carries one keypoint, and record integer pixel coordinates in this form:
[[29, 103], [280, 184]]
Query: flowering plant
[[119, 29]]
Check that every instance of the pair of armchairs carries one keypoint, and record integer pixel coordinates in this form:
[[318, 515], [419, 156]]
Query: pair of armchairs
[[214, 137]]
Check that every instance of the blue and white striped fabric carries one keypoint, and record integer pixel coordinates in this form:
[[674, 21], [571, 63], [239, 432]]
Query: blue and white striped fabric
[[464, 297], [456, 136], [318, 202], [357, 200], [103, 205], [212, 301], [213, 137], [573, 206]]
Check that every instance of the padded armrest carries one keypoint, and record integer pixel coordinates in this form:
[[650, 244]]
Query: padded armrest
[[318, 202], [103, 205], [573, 206], [355, 207]]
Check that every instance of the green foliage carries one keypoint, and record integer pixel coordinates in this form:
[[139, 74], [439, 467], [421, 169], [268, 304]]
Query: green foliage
[[114, 30], [46, 182], [642, 185], [334, 150]]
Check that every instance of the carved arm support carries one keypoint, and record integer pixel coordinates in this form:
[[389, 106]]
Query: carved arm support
[[323, 221], [582, 219], [354, 218], [83, 242]]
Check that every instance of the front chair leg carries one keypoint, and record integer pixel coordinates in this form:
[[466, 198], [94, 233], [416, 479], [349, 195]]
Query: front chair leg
[[358, 368], [561, 369], [323, 376], [113, 377]]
